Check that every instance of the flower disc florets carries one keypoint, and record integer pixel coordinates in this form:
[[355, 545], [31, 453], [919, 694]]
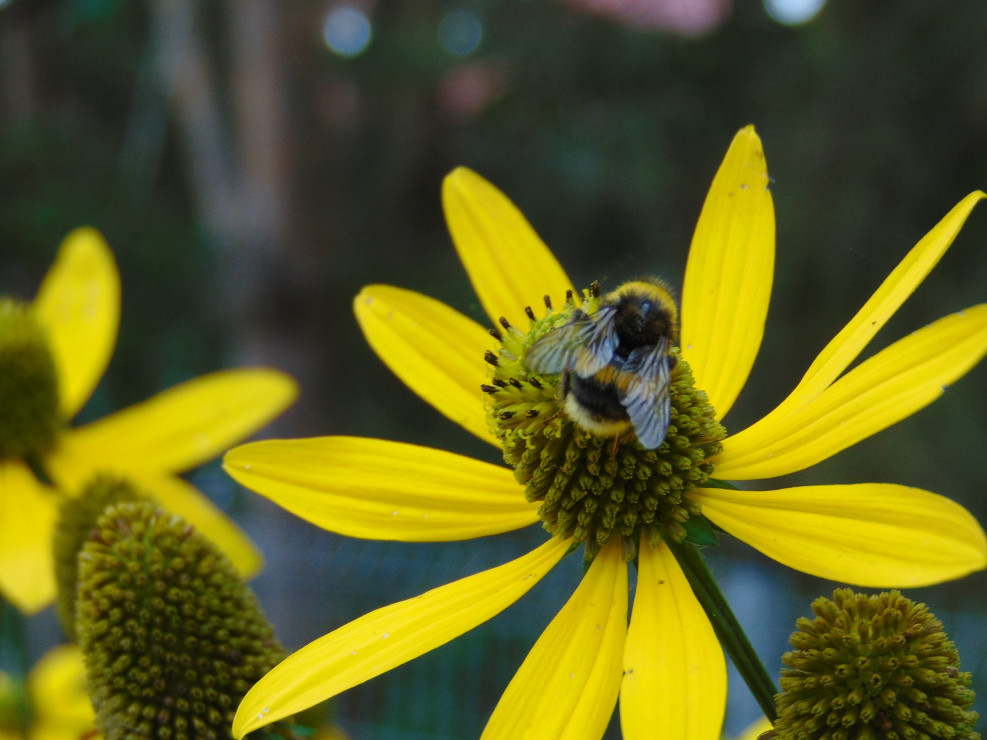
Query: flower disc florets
[[594, 487], [77, 517], [29, 420], [172, 637], [873, 668]]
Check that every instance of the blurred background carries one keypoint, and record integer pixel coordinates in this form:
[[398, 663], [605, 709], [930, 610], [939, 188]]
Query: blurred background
[[254, 163]]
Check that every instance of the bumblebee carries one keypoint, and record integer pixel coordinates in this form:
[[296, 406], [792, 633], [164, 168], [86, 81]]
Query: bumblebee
[[615, 363]]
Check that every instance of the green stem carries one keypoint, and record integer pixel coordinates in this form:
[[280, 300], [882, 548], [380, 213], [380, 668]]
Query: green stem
[[725, 624]]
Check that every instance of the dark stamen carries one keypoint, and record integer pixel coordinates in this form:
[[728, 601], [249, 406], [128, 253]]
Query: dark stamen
[[529, 312], [505, 323], [496, 335], [548, 302], [490, 357]]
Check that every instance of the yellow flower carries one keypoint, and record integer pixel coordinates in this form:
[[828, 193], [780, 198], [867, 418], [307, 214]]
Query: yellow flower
[[70, 329], [666, 666], [59, 703]]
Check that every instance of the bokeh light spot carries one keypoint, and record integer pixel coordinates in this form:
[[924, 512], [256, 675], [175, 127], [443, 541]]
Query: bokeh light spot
[[460, 32], [346, 31], [793, 12]]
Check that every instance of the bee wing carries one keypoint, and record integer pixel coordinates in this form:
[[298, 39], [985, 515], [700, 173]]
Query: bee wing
[[584, 344], [646, 397]]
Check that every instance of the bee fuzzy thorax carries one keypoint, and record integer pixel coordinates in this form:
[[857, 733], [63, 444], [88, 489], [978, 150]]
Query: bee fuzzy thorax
[[599, 417]]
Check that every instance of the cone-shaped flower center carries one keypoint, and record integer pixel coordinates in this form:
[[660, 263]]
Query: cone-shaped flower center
[[29, 421], [77, 517], [579, 451], [172, 637], [873, 667]]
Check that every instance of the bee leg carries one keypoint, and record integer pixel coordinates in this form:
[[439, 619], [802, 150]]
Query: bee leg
[[613, 451]]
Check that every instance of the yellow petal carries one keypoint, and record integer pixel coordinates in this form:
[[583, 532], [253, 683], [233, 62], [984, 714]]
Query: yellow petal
[[567, 686], [390, 636], [376, 489], [27, 520], [58, 691], [869, 534], [900, 284], [675, 675], [183, 426], [895, 383], [79, 304], [509, 265], [434, 350], [728, 276], [184, 499]]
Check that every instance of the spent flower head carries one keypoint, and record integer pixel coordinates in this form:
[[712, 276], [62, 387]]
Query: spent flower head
[[583, 459], [53, 352]]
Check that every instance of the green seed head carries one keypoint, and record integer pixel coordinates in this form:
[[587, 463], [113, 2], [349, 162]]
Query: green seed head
[[596, 487], [873, 668], [77, 517], [29, 420], [172, 637]]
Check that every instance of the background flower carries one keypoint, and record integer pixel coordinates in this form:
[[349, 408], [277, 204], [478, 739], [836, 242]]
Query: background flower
[[77, 310]]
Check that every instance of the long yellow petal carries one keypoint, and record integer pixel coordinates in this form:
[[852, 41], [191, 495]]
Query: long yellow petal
[[27, 520], [57, 684], [728, 276], [390, 636], [79, 304], [567, 686], [897, 287], [869, 534], [509, 265], [184, 499], [895, 383], [433, 349], [675, 675], [375, 489], [183, 426]]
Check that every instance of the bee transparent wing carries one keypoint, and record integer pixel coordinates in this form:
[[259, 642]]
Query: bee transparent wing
[[646, 397], [584, 344]]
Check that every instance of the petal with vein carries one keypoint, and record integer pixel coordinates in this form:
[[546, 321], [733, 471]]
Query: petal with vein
[[869, 534], [376, 489], [675, 675], [389, 637], [728, 275], [182, 498], [79, 304], [433, 349], [183, 426], [27, 521], [895, 383], [897, 287], [567, 686], [507, 262]]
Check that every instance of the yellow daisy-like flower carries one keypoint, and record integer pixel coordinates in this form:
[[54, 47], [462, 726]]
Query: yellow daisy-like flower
[[666, 666], [56, 692], [52, 354]]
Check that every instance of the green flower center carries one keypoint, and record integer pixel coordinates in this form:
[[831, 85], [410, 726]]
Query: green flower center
[[594, 486], [172, 637], [873, 667], [29, 420], [77, 517]]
